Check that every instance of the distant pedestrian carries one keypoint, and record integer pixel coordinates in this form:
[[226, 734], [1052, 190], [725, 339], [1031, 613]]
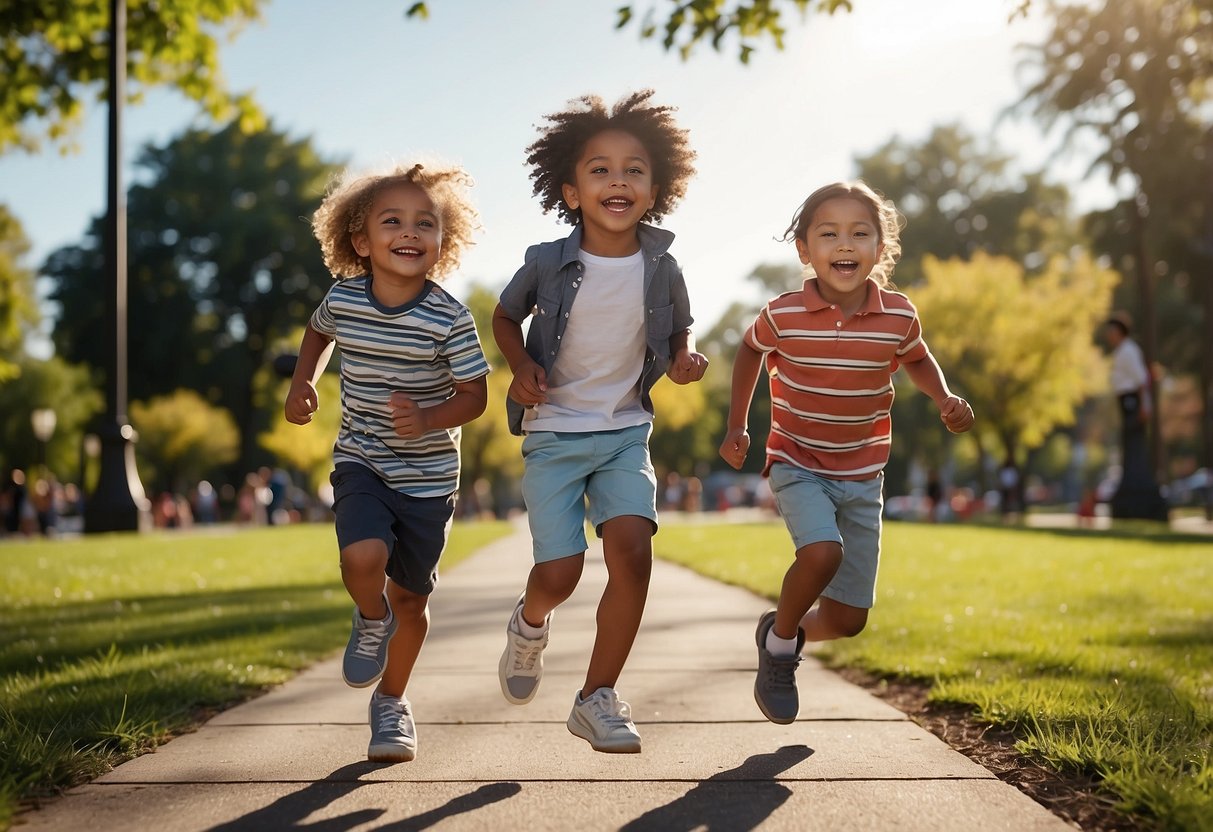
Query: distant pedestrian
[[609, 316], [412, 372], [830, 349]]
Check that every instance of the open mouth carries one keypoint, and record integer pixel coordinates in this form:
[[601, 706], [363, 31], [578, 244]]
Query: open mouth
[[407, 251], [847, 267], [617, 204]]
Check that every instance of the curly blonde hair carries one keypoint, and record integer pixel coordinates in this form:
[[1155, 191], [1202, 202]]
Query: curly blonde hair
[[348, 201], [553, 156], [885, 217]]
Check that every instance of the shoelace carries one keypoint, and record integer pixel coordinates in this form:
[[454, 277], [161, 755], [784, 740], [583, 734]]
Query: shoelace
[[610, 710], [525, 656], [369, 640], [781, 671], [390, 714]]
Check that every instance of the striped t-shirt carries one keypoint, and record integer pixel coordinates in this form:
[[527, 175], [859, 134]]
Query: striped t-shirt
[[422, 348], [831, 379]]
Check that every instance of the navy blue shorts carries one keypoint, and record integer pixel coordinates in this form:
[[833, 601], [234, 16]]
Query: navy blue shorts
[[415, 529]]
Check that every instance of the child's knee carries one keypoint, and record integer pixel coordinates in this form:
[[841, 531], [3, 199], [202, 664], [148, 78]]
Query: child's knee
[[365, 556], [557, 577], [406, 604], [825, 554]]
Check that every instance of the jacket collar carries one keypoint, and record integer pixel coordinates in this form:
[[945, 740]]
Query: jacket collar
[[654, 242]]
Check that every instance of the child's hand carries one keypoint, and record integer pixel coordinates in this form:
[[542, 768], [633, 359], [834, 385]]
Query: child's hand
[[687, 366], [530, 385], [735, 446], [956, 414], [301, 402], [408, 417]]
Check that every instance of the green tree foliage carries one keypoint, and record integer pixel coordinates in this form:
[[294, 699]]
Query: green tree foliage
[[222, 262], [63, 387], [960, 196], [1031, 362], [18, 302], [682, 25], [182, 437], [54, 57]]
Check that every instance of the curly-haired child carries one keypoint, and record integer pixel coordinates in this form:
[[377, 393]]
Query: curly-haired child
[[412, 372], [830, 349], [610, 317]]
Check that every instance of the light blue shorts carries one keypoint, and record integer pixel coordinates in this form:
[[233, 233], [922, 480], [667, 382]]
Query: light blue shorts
[[817, 509], [610, 468]]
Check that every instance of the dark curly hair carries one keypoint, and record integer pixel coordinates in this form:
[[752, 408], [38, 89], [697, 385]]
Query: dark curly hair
[[554, 155]]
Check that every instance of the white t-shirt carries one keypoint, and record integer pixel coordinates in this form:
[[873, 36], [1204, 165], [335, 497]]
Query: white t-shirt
[[1129, 373], [595, 383]]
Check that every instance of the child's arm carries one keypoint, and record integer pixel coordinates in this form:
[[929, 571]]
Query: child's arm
[[686, 365], [411, 420], [954, 411], [530, 384], [746, 367], [302, 400]]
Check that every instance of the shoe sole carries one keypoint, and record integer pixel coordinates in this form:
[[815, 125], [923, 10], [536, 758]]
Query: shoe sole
[[365, 684], [396, 755], [627, 747]]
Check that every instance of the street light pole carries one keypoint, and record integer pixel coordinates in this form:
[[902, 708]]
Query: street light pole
[[117, 503]]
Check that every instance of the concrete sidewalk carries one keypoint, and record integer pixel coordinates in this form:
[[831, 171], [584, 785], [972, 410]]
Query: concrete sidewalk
[[295, 758]]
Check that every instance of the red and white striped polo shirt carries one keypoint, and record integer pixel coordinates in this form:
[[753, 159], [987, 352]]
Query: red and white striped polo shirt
[[831, 379]]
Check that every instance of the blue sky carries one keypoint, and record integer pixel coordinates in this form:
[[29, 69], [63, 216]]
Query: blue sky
[[472, 82]]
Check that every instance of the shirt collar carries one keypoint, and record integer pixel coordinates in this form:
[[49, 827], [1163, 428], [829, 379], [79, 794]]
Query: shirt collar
[[654, 242], [814, 302]]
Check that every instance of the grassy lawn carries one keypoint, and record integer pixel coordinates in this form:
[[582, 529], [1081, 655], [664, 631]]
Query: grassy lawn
[[1095, 648], [110, 644]]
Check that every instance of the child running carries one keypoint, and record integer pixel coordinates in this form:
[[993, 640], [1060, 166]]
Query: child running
[[830, 350], [412, 372], [610, 317]]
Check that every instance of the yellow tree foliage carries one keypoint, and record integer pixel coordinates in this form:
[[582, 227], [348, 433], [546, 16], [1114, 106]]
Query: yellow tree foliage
[[182, 436], [1020, 349], [306, 448]]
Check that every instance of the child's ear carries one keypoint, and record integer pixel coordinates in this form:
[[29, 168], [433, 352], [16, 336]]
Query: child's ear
[[652, 198], [803, 251], [570, 196], [361, 244]]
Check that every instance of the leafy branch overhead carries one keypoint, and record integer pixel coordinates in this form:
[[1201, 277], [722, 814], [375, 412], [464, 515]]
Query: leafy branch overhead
[[684, 24]]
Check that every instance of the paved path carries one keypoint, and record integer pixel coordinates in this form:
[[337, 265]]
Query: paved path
[[295, 758]]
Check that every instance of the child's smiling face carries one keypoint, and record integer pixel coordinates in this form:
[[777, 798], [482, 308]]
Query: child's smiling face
[[402, 234], [842, 244], [613, 187]]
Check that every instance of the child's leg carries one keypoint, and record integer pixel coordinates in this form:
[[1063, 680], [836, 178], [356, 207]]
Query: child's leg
[[832, 619], [412, 615], [627, 545], [549, 585], [362, 572], [809, 574]]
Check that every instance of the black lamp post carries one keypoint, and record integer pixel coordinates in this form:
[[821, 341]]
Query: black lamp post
[[117, 503]]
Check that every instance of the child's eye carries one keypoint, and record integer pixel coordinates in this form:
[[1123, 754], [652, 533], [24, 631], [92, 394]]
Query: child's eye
[[636, 171], [828, 234], [425, 223], [391, 221], [598, 169]]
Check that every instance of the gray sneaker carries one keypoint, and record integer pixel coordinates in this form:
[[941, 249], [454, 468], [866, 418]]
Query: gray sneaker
[[521, 665], [366, 652], [775, 686], [393, 734], [605, 721]]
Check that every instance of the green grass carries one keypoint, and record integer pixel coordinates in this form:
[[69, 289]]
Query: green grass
[[1095, 648], [110, 645]]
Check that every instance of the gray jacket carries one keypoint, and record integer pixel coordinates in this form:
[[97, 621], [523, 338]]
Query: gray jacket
[[547, 285]]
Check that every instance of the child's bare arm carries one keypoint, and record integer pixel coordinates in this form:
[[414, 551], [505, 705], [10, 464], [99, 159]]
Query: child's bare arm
[[954, 412], [746, 367], [686, 365], [302, 400], [530, 384], [411, 420]]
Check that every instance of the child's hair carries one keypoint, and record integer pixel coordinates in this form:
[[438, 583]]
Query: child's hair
[[884, 217], [348, 201], [554, 155]]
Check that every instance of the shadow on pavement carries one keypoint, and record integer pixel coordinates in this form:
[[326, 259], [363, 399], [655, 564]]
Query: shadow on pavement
[[290, 811], [735, 800]]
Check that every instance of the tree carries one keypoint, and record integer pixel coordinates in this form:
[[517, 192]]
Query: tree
[[1137, 76], [690, 23], [18, 303], [1032, 361], [53, 58], [182, 437], [222, 262], [63, 387]]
